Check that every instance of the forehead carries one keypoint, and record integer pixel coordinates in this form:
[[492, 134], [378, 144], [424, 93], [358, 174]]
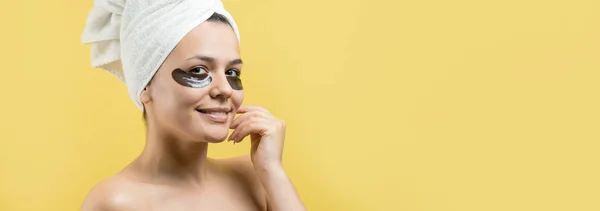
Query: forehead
[[212, 39]]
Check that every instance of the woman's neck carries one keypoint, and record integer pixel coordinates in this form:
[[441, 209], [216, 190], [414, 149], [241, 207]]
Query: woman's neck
[[167, 159]]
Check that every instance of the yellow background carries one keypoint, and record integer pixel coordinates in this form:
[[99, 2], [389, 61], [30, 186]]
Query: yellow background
[[391, 105]]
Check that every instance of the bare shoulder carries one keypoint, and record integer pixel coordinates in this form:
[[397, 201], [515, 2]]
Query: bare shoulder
[[240, 163], [113, 193], [241, 170]]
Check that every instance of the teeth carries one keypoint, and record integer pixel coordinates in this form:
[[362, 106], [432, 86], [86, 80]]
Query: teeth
[[213, 113]]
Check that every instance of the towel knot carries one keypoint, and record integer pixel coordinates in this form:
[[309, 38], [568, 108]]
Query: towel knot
[[102, 32]]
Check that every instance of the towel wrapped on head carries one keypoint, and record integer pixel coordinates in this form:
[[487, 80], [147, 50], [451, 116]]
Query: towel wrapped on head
[[132, 38]]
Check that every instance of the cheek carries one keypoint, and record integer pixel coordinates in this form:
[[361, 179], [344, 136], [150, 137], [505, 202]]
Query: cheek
[[166, 98], [173, 96], [190, 96], [237, 98]]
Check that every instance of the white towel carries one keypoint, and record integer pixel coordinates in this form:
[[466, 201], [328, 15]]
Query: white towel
[[132, 38]]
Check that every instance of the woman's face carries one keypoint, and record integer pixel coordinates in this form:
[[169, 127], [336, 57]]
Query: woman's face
[[196, 92]]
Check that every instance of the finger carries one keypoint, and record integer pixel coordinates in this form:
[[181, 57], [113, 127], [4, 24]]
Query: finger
[[249, 108], [246, 117], [247, 128], [238, 134], [240, 119]]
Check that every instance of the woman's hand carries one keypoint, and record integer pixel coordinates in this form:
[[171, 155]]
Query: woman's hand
[[267, 134]]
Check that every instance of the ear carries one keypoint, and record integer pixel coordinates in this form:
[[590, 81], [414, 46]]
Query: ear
[[145, 96]]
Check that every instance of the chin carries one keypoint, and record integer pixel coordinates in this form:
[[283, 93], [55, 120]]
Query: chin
[[203, 129], [215, 139], [212, 134]]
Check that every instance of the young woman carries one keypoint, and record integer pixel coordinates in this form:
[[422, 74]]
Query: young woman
[[191, 101]]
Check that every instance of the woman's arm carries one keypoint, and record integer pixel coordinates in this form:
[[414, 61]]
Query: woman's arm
[[281, 194], [267, 135]]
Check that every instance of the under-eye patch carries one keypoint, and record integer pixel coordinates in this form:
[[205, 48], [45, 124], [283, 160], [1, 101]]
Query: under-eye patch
[[196, 77], [199, 77], [235, 82]]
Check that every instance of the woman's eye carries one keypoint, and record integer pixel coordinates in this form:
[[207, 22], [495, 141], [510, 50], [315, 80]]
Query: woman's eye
[[232, 72], [198, 70]]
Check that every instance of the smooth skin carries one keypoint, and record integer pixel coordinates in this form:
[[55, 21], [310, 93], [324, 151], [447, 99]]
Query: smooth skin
[[173, 172]]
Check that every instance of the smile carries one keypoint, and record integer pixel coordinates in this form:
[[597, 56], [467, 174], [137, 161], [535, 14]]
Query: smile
[[219, 115], [212, 112]]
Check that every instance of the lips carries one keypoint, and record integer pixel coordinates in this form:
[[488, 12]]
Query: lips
[[212, 112], [222, 110], [219, 115]]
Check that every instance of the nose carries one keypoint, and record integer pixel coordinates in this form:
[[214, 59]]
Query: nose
[[220, 87]]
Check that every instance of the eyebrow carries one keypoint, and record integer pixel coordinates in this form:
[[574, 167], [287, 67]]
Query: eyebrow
[[212, 60]]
